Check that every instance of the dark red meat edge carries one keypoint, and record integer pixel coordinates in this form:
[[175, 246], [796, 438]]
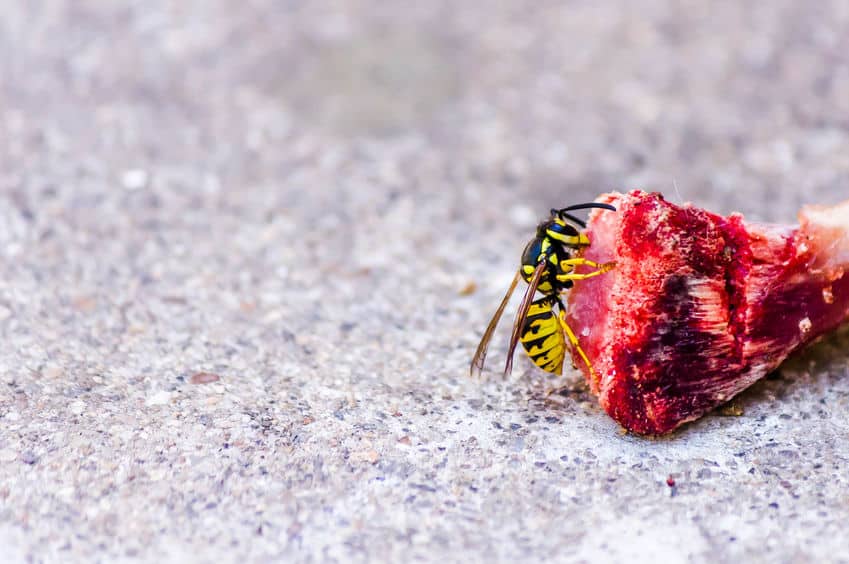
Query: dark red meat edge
[[700, 306]]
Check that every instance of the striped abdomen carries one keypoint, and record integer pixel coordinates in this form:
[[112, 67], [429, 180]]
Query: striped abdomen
[[542, 336]]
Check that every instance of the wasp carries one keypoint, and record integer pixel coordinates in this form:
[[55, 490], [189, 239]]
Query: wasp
[[548, 266]]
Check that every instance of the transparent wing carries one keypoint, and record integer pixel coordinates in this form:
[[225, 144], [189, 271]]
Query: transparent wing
[[480, 355], [519, 322]]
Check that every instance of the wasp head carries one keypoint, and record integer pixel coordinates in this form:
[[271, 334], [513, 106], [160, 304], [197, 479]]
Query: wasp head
[[558, 238]]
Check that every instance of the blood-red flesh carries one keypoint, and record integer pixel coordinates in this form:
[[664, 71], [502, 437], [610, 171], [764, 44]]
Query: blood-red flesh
[[701, 306]]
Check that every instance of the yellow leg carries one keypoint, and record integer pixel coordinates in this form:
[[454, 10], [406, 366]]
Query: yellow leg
[[574, 341], [579, 261], [571, 263]]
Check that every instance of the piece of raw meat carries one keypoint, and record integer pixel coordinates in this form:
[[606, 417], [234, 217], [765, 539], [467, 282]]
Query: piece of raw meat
[[701, 306]]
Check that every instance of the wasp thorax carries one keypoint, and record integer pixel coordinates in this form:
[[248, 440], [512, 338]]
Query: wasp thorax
[[550, 252], [533, 253]]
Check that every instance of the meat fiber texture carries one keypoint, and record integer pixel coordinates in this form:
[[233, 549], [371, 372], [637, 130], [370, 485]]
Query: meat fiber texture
[[701, 306]]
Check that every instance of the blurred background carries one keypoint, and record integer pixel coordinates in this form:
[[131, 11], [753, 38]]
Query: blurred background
[[536, 102], [321, 203]]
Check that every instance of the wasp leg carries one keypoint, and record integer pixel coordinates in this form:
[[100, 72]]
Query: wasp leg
[[579, 261], [569, 264], [561, 316], [574, 340]]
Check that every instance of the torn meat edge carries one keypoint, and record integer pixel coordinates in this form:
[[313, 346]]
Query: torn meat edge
[[701, 306]]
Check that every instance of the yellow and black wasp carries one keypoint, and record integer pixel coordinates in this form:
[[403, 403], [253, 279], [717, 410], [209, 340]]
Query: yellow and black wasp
[[548, 266]]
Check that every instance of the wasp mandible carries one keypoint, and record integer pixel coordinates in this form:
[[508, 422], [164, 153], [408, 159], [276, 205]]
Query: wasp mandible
[[548, 266]]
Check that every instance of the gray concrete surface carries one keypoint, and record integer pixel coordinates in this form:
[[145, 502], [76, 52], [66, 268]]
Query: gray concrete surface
[[291, 197]]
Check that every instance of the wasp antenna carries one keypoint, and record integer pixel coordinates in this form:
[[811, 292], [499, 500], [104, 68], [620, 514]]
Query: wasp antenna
[[588, 205], [573, 219]]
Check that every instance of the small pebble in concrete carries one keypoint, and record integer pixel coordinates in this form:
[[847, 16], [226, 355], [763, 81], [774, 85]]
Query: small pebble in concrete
[[204, 378]]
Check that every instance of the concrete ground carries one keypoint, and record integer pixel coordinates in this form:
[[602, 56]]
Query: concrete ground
[[247, 250]]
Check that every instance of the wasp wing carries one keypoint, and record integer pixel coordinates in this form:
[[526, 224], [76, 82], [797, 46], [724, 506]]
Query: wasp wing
[[519, 322], [480, 355]]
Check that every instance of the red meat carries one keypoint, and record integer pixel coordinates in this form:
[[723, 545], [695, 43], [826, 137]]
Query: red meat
[[701, 306]]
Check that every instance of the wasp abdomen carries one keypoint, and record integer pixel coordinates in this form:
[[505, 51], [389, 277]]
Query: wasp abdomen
[[542, 336]]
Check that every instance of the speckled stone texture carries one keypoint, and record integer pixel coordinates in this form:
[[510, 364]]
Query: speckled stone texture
[[247, 250]]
